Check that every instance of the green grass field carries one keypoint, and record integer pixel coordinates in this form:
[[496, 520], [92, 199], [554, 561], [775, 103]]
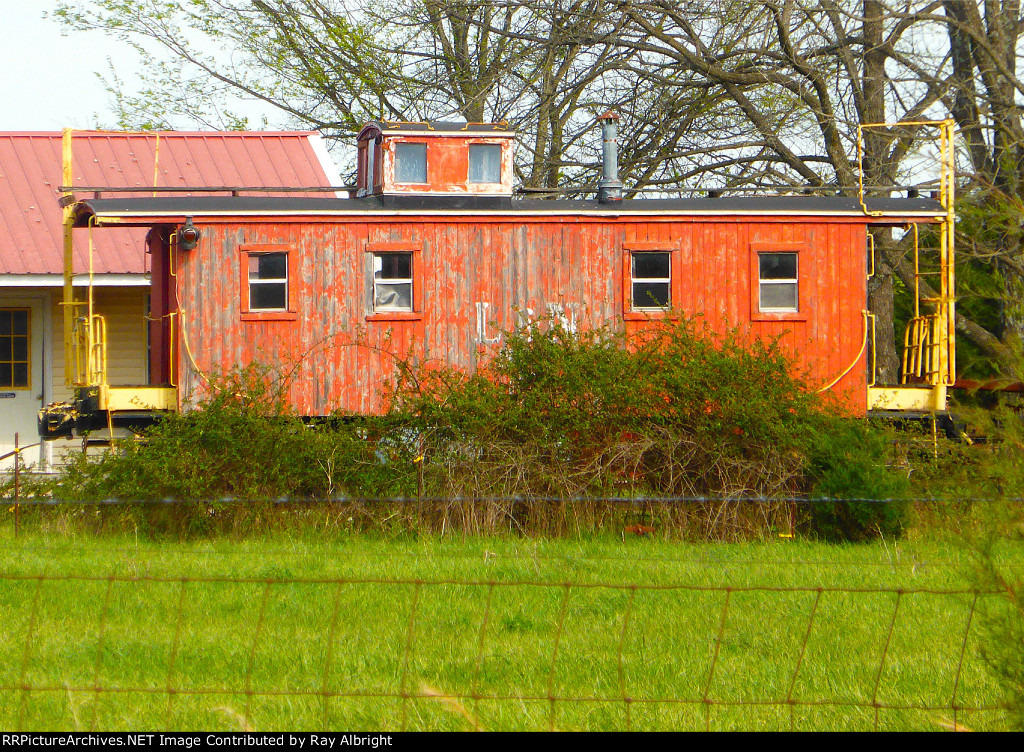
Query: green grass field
[[297, 632]]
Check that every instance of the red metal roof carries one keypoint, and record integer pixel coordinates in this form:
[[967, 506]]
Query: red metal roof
[[31, 171]]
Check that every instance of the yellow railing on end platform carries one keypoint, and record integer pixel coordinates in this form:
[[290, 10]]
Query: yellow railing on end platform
[[929, 355], [90, 351]]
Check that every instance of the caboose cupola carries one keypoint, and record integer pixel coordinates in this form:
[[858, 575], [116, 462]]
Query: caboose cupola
[[434, 159]]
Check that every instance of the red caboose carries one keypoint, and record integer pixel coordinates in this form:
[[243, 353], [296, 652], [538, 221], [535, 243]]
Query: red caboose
[[434, 257]]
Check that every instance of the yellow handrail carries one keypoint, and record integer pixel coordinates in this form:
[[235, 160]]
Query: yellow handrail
[[89, 351], [874, 350], [871, 255], [922, 351], [68, 300], [856, 359], [98, 350]]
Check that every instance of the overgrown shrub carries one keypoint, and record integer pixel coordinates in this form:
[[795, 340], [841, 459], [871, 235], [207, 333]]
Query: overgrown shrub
[[678, 411], [999, 529], [999, 446], [590, 413], [990, 473], [954, 480], [845, 461], [242, 442], [555, 419]]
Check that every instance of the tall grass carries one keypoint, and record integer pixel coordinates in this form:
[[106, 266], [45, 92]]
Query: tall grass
[[289, 631]]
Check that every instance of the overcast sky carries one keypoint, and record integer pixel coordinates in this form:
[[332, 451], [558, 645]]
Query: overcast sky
[[50, 80]]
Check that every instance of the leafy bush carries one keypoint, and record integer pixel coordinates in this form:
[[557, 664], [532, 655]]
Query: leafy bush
[[243, 442], [993, 540], [846, 465], [1002, 617], [676, 411], [555, 419], [955, 480]]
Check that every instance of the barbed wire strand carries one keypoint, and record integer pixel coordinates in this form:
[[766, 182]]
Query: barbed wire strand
[[434, 555], [633, 501], [463, 582]]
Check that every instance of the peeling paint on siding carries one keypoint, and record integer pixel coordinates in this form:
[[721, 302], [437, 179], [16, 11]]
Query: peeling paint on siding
[[479, 279]]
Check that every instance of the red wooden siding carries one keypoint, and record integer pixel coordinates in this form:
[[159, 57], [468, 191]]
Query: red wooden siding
[[515, 266]]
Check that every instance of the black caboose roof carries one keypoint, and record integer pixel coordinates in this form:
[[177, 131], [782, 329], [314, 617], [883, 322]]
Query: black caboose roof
[[208, 206]]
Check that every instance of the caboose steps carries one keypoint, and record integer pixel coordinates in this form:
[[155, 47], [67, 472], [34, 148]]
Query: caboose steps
[[102, 406], [924, 398]]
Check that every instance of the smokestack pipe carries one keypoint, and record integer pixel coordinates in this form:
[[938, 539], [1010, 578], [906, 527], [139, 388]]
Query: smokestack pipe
[[609, 189]]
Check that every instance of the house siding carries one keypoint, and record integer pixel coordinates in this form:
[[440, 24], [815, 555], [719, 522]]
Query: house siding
[[124, 310]]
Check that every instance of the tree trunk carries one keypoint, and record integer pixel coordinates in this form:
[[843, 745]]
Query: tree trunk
[[880, 287], [1012, 307], [880, 297]]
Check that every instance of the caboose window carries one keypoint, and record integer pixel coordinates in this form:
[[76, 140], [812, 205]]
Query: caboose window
[[778, 282], [484, 163], [370, 151], [410, 163], [392, 282], [652, 281], [268, 281]]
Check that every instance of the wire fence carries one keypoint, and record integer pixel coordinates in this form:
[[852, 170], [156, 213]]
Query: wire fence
[[390, 653], [271, 633]]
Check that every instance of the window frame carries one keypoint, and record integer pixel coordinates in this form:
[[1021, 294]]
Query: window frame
[[633, 279], [368, 166], [793, 281], [675, 287], [382, 281], [804, 263], [28, 349], [373, 249], [501, 166], [246, 312]]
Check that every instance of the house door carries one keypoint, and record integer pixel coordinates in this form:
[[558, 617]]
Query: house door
[[21, 375]]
